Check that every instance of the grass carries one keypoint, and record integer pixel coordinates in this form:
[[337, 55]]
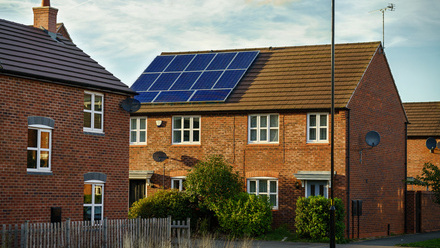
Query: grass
[[432, 243], [280, 234]]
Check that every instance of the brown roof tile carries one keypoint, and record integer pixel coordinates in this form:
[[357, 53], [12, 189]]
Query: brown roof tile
[[289, 78], [424, 118], [31, 52]]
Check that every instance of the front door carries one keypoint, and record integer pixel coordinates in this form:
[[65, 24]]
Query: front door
[[315, 188], [137, 190]]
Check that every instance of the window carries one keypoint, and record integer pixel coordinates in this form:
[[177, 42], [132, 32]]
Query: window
[[263, 128], [186, 130], [39, 149], [93, 112], [138, 131], [93, 202], [177, 183], [264, 186], [317, 128], [315, 188]]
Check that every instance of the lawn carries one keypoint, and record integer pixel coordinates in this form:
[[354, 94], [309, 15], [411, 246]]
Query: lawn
[[432, 243]]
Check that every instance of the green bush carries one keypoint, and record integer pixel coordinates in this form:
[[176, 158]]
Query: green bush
[[312, 219], [213, 181], [244, 214], [162, 204]]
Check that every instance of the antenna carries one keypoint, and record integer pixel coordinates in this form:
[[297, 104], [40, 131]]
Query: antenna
[[431, 143], [390, 7]]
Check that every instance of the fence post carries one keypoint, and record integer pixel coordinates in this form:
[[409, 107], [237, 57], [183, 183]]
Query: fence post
[[67, 234], [138, 229], [169, 230], [188, 223], [105, 232]]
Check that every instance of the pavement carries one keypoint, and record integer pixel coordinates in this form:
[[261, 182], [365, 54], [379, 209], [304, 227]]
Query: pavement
[[384, 242]]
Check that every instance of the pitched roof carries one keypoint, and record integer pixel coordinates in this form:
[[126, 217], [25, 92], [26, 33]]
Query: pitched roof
[[31, 52], [289, 78], [424, 118]]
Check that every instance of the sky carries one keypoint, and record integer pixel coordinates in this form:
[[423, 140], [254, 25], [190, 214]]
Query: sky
[[125, 36]]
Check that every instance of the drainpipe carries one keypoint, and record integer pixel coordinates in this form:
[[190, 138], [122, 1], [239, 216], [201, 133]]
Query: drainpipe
[[406, 175], [348, 173]]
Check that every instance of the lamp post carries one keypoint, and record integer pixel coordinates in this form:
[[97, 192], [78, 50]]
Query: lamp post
[[332, 138]]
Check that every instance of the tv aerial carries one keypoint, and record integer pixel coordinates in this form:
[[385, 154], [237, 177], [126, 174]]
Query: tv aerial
[[130, 105], [390, 7], [431, 143]]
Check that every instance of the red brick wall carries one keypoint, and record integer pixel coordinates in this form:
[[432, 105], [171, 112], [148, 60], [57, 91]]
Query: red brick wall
[[378, 179], [429, 212], [74, 153], [418, 155], [226, 134]]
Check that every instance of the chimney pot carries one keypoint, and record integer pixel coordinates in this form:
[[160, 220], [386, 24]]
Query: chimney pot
[[45, 3]]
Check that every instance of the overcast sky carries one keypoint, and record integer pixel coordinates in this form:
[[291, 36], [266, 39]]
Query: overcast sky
[[124, 36]]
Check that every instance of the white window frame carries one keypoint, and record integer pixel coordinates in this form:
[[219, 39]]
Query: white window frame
[[258, 129], [257, 189], [92, 112], [95, 183], [308, 183], [318, 128], [180, 179], [138, 130], [46, 129], [191, 130]]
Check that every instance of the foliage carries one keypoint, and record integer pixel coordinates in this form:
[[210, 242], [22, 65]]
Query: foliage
[[432, 243], [313, 218], [244, 214], [282, 233], [213, 181], [162, 204], [431, 178]]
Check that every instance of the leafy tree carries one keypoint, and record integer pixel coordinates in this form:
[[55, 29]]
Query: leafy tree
[[431, 178], [244, 214], [213, 181], [312, 219]]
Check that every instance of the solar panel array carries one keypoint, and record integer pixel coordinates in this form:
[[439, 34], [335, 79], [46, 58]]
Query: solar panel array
[[207, 77]]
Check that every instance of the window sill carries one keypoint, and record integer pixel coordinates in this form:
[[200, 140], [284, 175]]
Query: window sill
[[318, 143], [138, 145], [43, 173], [181, 145], [94, 133]]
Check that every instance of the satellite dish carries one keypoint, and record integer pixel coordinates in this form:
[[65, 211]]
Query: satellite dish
[[431, 143], [130, 105], [372, 138], [159, 156]]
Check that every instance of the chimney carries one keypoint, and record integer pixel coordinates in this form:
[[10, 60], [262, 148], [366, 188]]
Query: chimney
[[45, 16]]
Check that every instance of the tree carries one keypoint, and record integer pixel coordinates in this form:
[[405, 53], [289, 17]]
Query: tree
[[431, 178], [213, 181]]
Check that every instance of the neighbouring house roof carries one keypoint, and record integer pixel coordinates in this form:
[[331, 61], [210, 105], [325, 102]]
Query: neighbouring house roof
[[286, 78], [61, 29], [32, 52], [424, 118]]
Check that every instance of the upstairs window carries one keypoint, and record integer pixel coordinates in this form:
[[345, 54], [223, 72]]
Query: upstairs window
[[138, 131], [186, 130], [264, 186], [263, 128], [39, 149], [93, 112], [317, 128]]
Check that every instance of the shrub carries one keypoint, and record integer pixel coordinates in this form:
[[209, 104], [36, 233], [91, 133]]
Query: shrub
[[313, 218], [244, 214], [162, 204], [213, 181]]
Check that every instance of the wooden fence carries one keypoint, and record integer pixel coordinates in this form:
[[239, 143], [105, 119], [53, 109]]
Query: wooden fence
[[136, 233]]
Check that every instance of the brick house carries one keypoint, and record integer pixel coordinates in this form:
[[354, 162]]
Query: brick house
[[65, 140], [423, 215], [274, 129]]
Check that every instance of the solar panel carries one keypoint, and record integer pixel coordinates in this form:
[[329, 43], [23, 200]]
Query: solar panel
[[159, 64], [173, 96], [206, 77], [144, 81]]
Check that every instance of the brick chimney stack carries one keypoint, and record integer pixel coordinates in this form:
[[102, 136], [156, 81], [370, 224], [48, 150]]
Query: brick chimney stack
[[45, 16]]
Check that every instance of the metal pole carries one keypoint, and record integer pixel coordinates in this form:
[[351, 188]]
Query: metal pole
[[383, 28], [332, 158]]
